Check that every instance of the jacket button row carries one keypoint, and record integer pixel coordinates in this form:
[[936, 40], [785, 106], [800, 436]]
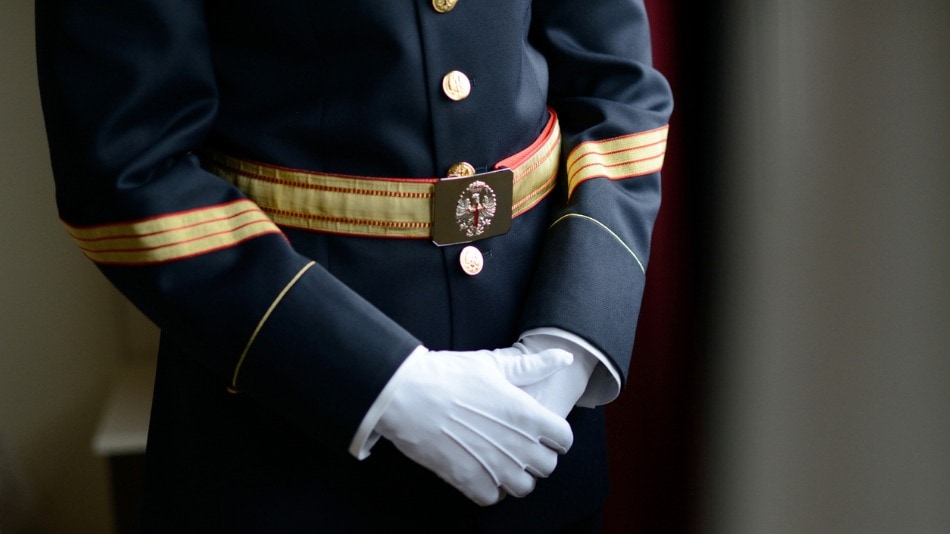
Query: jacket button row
[[457, 86], [443, 6]]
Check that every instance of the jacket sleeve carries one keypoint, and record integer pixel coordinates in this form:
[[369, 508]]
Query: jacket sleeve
[[613, 109], [128, 93]]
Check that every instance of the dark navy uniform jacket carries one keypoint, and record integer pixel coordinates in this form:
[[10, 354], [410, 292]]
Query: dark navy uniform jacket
[[133, 91]]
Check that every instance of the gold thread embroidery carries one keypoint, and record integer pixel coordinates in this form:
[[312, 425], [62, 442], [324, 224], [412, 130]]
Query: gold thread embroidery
[[617, 158], [368, 206], [173, 236]]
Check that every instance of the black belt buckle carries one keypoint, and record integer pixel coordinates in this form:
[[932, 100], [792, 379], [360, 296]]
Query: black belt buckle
[[472, 207]]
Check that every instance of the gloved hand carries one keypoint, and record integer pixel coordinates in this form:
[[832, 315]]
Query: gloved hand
[[461, 415], [560, 391]]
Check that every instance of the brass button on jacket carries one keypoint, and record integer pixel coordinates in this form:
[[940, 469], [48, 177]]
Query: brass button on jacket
[[471, 260], [460, 169], [456, 85], [444, 6]]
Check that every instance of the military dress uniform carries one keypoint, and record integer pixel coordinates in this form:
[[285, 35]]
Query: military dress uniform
[[262, 180]]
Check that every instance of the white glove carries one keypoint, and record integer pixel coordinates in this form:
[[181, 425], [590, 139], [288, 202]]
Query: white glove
[[560, 391], [590, 381], [461, 415]]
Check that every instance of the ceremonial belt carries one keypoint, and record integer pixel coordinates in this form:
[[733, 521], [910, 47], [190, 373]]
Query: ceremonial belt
[[449, 210]]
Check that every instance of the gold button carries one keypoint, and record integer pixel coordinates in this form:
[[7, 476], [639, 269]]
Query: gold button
[[444, 6], [471, 260], [460, 169], [456, 85]]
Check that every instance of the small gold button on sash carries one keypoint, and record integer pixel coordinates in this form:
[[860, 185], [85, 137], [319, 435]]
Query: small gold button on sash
[[471, 260], [444, 6], [460, 169], [456, 85]]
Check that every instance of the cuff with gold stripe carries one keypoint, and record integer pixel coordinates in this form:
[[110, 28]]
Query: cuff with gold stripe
[[173, 236], [617, 158]]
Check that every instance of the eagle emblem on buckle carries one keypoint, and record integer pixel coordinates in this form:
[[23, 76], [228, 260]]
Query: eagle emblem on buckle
[[475, 208], [470, 208]]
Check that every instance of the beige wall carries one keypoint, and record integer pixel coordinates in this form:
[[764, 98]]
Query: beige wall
[[63, 329], [830, 385]]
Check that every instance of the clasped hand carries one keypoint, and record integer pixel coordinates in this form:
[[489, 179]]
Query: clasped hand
[[463, 416]]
